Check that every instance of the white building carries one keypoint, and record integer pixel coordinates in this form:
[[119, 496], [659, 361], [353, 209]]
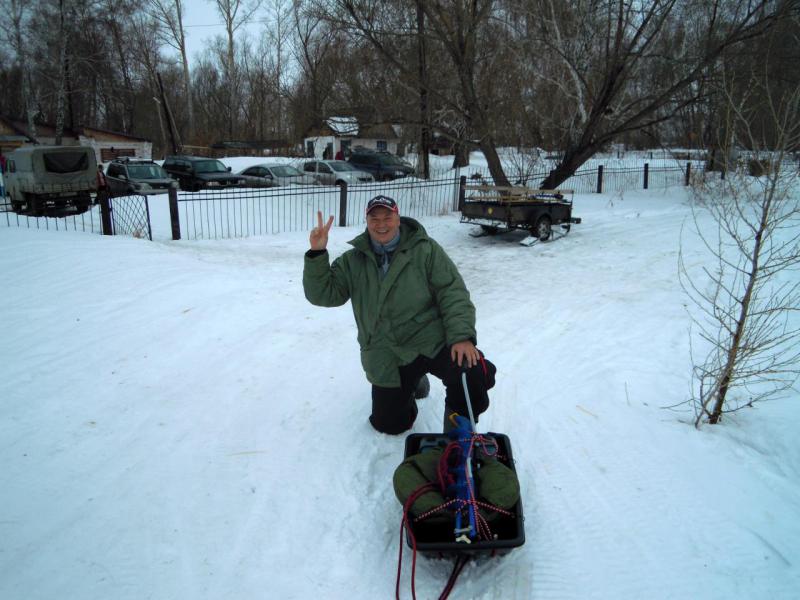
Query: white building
[[344, 134]]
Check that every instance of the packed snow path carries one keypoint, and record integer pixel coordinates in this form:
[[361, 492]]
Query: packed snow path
[[178, 422]]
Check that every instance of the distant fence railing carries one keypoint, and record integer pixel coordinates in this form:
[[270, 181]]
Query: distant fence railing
[[599, 179], [241, 212]]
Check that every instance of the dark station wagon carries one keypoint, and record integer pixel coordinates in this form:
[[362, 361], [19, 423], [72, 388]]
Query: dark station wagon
[[197, 172]]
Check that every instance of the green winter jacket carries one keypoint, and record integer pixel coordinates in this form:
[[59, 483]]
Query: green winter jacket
[[421, 304]]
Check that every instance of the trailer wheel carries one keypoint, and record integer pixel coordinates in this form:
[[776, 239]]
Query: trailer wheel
[[33, 208], [543, 229]]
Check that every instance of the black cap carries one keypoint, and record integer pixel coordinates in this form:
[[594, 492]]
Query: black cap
[[384, 201]]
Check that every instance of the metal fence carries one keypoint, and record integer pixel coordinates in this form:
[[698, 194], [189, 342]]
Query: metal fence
[[597, 179], [88, 221], [125, 215], [241, 212], [130, 215]]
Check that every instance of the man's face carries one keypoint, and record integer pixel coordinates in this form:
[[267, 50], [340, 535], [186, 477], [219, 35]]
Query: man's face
[[383, 224]]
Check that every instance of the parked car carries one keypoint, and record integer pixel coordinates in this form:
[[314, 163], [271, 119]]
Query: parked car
[[197, 172], [381, 165], [49, 180], [273, 175], [137, 176], [336, 172]]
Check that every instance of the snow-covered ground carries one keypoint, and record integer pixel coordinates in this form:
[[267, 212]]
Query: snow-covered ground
[[177, 422]]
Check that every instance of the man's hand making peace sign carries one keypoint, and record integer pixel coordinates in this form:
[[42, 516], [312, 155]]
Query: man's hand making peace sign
[[319, 235]]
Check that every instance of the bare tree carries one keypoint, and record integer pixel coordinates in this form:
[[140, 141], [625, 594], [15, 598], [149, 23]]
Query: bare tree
[[746, 302], [460, 28], [13, 30], [279, 35], [146, 44], [423, 162], [313, 49], [62, 65], [234, 13], [118, 22], [169, 14], [629, 66]]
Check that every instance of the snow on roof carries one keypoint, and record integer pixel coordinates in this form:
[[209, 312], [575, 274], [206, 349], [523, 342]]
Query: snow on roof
[[343, 125]]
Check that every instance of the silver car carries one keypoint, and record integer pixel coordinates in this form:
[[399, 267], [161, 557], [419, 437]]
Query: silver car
[[335, 172], [267, 175], [130, 176]]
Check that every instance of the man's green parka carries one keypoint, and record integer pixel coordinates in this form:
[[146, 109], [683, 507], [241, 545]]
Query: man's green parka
[[420, 305]]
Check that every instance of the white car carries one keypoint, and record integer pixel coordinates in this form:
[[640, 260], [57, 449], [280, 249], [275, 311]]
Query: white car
[[273, 175], [336, 172]]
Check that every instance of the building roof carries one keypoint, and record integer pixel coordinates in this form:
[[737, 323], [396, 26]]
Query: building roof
[[346, 126], [11, 130], [49, 130], [93, 131]]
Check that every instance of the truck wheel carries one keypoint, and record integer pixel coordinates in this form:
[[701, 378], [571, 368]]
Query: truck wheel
[[543, 228]]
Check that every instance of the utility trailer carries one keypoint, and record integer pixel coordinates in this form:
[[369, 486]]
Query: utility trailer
[[515, 207]]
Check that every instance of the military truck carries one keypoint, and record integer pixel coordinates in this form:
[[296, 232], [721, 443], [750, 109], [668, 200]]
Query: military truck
[[51, 180]]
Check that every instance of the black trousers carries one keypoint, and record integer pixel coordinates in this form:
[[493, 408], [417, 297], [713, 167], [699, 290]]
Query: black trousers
[[395, 409]]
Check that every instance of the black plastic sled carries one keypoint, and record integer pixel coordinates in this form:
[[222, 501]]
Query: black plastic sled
[[437, 539]]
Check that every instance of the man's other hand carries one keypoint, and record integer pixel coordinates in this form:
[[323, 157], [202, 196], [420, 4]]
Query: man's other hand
[[319, 235], [464, 351]]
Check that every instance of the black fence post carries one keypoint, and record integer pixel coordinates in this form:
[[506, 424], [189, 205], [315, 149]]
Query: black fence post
[[343, 204], [599, 179], [173, 214], [688, 173], [646, 173], [462, 192], [106, 225]]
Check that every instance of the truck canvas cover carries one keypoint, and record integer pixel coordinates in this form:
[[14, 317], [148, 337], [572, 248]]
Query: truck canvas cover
[[70, 161]]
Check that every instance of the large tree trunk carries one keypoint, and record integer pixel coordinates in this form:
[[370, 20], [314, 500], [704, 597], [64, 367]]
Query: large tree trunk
[[423, 163], [573, 158], [489, 150]]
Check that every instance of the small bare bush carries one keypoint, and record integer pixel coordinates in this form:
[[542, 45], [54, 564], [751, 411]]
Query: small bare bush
[[748, 300]]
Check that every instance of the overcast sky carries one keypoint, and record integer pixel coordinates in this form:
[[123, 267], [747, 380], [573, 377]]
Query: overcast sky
[[202, 23]]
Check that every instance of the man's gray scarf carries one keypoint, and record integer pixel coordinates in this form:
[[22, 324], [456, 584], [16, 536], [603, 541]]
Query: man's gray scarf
[[385, 253]]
